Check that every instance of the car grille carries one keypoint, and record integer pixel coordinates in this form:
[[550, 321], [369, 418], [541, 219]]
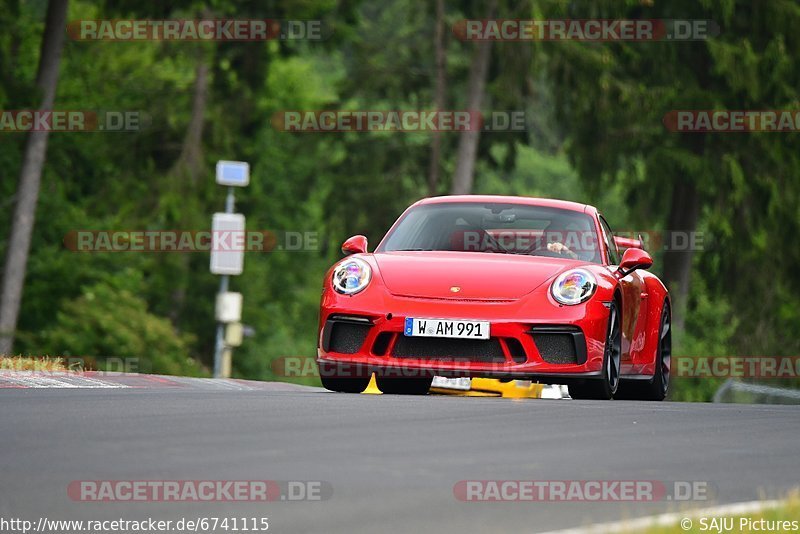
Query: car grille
[[431, 348]]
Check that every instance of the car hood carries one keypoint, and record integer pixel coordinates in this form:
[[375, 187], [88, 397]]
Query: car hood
[[476, 275]]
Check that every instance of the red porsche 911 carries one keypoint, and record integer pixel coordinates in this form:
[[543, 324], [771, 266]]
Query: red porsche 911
[[498, 287]]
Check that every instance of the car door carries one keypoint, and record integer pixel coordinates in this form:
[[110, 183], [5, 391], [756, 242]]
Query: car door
[[632, 312]]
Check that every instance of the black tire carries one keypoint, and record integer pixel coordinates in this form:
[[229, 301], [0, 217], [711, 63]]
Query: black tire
[[341, 379], [403, 385], [656, 388], [605, 387]]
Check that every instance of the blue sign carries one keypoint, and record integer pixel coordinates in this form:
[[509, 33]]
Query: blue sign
[[235, 173]]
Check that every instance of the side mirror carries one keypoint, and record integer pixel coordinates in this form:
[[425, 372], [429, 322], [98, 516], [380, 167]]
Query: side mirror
[[634, 258], [355, 245]]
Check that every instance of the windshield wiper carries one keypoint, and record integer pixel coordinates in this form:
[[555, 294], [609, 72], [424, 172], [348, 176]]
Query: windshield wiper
[[500, 248]]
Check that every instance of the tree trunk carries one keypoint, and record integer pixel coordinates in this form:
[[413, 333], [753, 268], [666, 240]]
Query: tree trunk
[[191, 157], [187, 171], [684, 212], [30, 177], [468, 142], [439, 96]]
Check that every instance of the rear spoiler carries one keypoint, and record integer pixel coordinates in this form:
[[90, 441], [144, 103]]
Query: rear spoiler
[[627, 242]]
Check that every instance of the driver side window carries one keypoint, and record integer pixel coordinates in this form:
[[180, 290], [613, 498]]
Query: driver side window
[[613, 252]]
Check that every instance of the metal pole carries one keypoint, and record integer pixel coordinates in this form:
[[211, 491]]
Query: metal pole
[[229, 201], [219, 346]]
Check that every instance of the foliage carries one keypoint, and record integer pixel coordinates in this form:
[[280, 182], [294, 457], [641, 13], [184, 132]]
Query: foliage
[[110, 322]]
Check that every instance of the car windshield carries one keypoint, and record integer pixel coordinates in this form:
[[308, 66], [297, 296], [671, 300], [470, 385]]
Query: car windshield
[[496, 228]]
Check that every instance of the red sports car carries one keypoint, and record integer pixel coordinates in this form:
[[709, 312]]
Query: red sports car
[[500, 287]]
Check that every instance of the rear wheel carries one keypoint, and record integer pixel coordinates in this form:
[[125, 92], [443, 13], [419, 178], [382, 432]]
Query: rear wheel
[[606, 386], [657, 387], [404, 386], [340, 378]]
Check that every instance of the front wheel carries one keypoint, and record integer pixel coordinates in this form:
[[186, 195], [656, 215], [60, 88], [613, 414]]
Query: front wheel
[[404, 386], [606, 386], [657, 387]]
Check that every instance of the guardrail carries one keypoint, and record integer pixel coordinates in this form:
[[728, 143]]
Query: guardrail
[[743, 392]]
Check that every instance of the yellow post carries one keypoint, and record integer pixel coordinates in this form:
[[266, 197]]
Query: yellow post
[[372, 387]]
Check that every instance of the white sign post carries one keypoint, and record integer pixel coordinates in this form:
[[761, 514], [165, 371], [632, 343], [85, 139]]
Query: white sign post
[[227, 243], [227, 258]]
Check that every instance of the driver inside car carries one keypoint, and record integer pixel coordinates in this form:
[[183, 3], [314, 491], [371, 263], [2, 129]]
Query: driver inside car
[[555, 236], [562, 249]]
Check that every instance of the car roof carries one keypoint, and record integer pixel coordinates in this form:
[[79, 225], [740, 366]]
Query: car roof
[[531, 201]]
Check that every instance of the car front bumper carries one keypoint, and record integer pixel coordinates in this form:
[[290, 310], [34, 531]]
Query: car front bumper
[[531, 338]]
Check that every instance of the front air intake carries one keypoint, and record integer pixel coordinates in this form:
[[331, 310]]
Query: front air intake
[[345, 334], [560, 344]]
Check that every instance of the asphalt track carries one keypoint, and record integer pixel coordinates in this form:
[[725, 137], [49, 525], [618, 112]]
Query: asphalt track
[[392, 461]]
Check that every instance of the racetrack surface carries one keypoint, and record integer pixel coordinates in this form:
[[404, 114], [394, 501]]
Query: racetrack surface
[[392, 461]]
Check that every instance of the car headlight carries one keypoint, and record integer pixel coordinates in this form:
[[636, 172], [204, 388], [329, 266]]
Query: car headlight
[[573, 287], [351, 276]]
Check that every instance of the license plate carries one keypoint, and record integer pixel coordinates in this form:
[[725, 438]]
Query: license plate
[[452, 328], [461, 384]]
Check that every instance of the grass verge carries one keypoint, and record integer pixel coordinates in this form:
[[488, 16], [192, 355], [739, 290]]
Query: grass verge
[[22, 363], [783, 518]]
